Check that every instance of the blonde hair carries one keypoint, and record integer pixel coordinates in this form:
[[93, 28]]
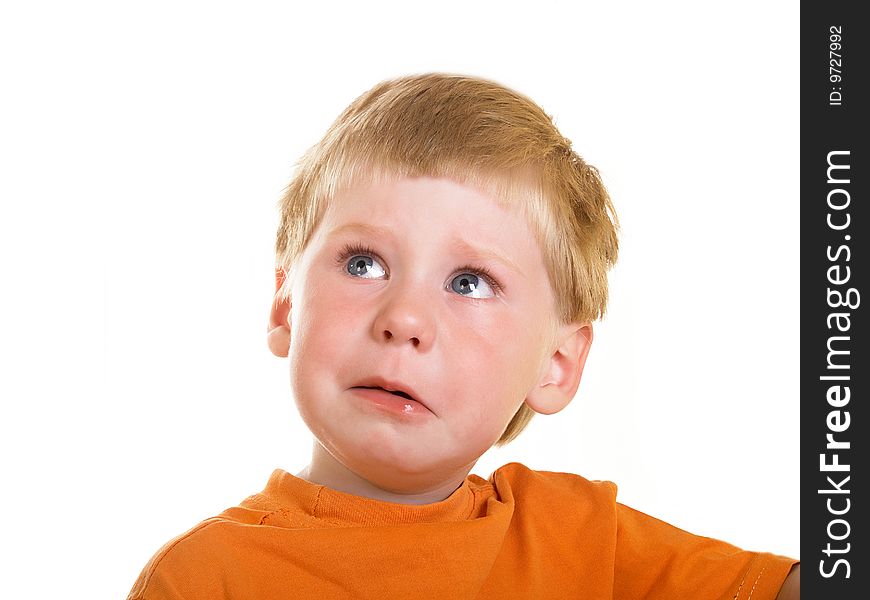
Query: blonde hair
[[479, 133]]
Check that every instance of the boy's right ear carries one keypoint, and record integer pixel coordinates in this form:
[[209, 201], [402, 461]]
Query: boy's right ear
[[278, 336]]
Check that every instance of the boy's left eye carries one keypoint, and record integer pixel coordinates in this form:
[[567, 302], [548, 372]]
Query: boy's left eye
[[471, 286]]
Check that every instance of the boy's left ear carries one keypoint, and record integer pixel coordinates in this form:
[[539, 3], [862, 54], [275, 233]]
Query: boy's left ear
[[561, 378]]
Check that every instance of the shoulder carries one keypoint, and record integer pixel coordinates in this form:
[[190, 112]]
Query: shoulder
[[183, 553], [195, 560], [519, 475], [551, 490]]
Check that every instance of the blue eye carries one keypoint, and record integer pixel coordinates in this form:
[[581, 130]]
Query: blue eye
[[365, 267], [471, 286]]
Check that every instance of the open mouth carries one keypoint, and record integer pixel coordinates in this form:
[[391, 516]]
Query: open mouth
[[394, 392]]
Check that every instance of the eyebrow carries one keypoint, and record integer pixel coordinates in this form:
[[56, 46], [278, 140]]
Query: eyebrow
[[482, 254], [459, 244], [362, 228]]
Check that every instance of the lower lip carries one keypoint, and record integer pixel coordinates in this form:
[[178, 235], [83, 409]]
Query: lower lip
[[392, 403]]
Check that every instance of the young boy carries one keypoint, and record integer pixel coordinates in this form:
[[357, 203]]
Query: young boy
[[441, 256]]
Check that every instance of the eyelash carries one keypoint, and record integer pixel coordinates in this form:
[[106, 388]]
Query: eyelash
[[350, 250]]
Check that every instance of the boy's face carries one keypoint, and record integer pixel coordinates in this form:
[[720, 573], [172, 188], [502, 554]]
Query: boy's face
[[391, 293]]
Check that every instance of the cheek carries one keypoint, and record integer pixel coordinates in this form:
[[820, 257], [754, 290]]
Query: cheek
[[502, 343], [492, 368], [321, 325], [509, 363]]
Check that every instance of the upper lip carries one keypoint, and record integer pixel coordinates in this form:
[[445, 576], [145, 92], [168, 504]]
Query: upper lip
[[390, 386]]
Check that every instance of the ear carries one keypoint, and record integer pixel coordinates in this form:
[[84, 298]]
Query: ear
[[562, 371], [278, 336]]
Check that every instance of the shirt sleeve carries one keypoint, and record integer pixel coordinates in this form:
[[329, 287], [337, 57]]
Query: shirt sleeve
[[656, 560]]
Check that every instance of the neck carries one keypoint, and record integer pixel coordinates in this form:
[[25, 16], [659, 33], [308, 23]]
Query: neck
[[326, 470]]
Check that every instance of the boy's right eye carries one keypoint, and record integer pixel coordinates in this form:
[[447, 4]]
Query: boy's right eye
[[364, 266]]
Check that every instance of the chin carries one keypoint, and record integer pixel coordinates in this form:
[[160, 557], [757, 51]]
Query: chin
[[411, 472], [406, 458]]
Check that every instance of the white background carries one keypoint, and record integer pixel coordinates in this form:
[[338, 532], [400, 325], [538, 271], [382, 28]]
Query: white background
[[143, 149]]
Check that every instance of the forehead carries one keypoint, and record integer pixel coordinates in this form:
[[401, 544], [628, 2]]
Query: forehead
[[428, 208]]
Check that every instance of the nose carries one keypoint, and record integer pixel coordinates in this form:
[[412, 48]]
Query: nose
[[406, 317]]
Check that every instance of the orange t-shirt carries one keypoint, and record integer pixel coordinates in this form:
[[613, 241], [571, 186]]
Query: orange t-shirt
[[522, 534]]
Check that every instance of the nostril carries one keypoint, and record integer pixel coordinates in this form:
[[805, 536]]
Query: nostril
[[388, 335]]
